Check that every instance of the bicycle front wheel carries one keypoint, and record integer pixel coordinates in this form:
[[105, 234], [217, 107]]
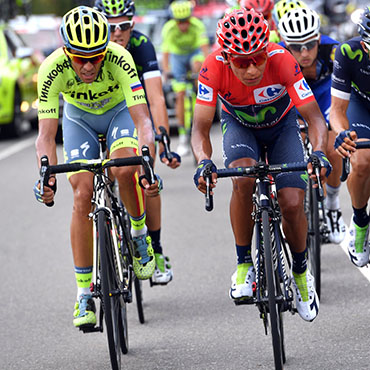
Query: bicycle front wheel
[[314, 237], [113, 303], [273, 291]]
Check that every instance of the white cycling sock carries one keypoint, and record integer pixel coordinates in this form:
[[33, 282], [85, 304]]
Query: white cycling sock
[[332, 197], [81, 291], [136, 232]]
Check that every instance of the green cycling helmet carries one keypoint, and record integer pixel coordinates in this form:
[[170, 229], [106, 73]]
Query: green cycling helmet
[[85, 30], [284, 6], [181, 10], [116, 8]]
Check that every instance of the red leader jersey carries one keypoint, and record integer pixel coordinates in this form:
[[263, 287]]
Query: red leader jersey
[[264, 105]]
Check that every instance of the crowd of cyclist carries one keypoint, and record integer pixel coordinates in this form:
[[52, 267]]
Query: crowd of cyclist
[[268, 55]]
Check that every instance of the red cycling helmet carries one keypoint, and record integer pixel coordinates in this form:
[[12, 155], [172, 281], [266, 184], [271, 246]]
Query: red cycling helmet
[[262, 6], [242, 32]]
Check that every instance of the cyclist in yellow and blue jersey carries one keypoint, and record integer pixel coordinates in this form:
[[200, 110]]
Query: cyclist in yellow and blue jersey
[[120, 15], [185, 46], [300, 31], [103, 95]]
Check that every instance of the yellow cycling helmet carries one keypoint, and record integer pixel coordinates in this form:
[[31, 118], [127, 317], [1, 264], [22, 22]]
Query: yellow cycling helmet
[[181, 10], [85, 30], [284, 6]]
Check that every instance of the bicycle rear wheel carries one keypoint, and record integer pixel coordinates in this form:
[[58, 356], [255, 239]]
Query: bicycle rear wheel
[[313, 237], [113, 303], [272, 278]]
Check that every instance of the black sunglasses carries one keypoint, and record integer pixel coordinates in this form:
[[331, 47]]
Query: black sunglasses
[[123, 26], [300, 47]]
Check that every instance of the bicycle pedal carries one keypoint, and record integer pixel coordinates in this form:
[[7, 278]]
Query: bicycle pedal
[[243, 301], [90, 328], [152, 283]]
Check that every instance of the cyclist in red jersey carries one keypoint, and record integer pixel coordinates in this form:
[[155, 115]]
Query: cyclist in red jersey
[[259, 83]]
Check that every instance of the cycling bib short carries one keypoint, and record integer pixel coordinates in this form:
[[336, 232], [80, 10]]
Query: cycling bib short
[[81, 131], [283, 143]]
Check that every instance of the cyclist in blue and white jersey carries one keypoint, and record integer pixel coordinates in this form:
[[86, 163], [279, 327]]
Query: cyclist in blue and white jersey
[[350, 115], [299, 29], [120, 18]]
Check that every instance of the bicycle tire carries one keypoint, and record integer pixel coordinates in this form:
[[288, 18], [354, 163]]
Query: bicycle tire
[[314, 238], [274, 307], [124, 261], [128, 250], [112, 300], [139, 300]]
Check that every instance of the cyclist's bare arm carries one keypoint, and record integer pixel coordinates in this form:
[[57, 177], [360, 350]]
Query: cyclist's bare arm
[[339, 122], [46, 145], [200, 138], [165, 64], [140, 115], [155, 96], [317, 129]]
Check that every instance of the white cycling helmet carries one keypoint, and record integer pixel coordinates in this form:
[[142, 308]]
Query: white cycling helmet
[[298, 25]]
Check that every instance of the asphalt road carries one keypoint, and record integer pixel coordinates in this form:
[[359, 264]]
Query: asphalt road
[[191, 323]]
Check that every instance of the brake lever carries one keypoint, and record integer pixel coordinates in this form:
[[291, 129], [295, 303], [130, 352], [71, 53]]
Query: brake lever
[[165, 140], [44, 176], [147, 162], [207, 174]]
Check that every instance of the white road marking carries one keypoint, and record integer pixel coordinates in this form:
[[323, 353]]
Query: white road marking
[[17, 148]]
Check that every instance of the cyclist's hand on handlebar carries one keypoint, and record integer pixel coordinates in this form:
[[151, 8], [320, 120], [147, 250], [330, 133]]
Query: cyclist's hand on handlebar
[[199, 180], [345, 143], [318, 160], [175, 162], [49, 191], [154, 189]]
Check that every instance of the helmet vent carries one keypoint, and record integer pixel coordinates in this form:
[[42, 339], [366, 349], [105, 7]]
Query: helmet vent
[[241, 22], [235, 32], [251, 30], [88, 36], [259, 30], [78, 33], [232, 20], [227, 25], [96, 33], [246, 45], [256, 20], [228, 35]]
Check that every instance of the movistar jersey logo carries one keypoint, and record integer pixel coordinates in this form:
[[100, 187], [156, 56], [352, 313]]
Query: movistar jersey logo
[[137, 42], [259, 118], [346, 49]]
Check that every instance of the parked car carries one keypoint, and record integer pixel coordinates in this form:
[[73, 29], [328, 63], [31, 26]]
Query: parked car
[[18, 83], [40, 32]]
